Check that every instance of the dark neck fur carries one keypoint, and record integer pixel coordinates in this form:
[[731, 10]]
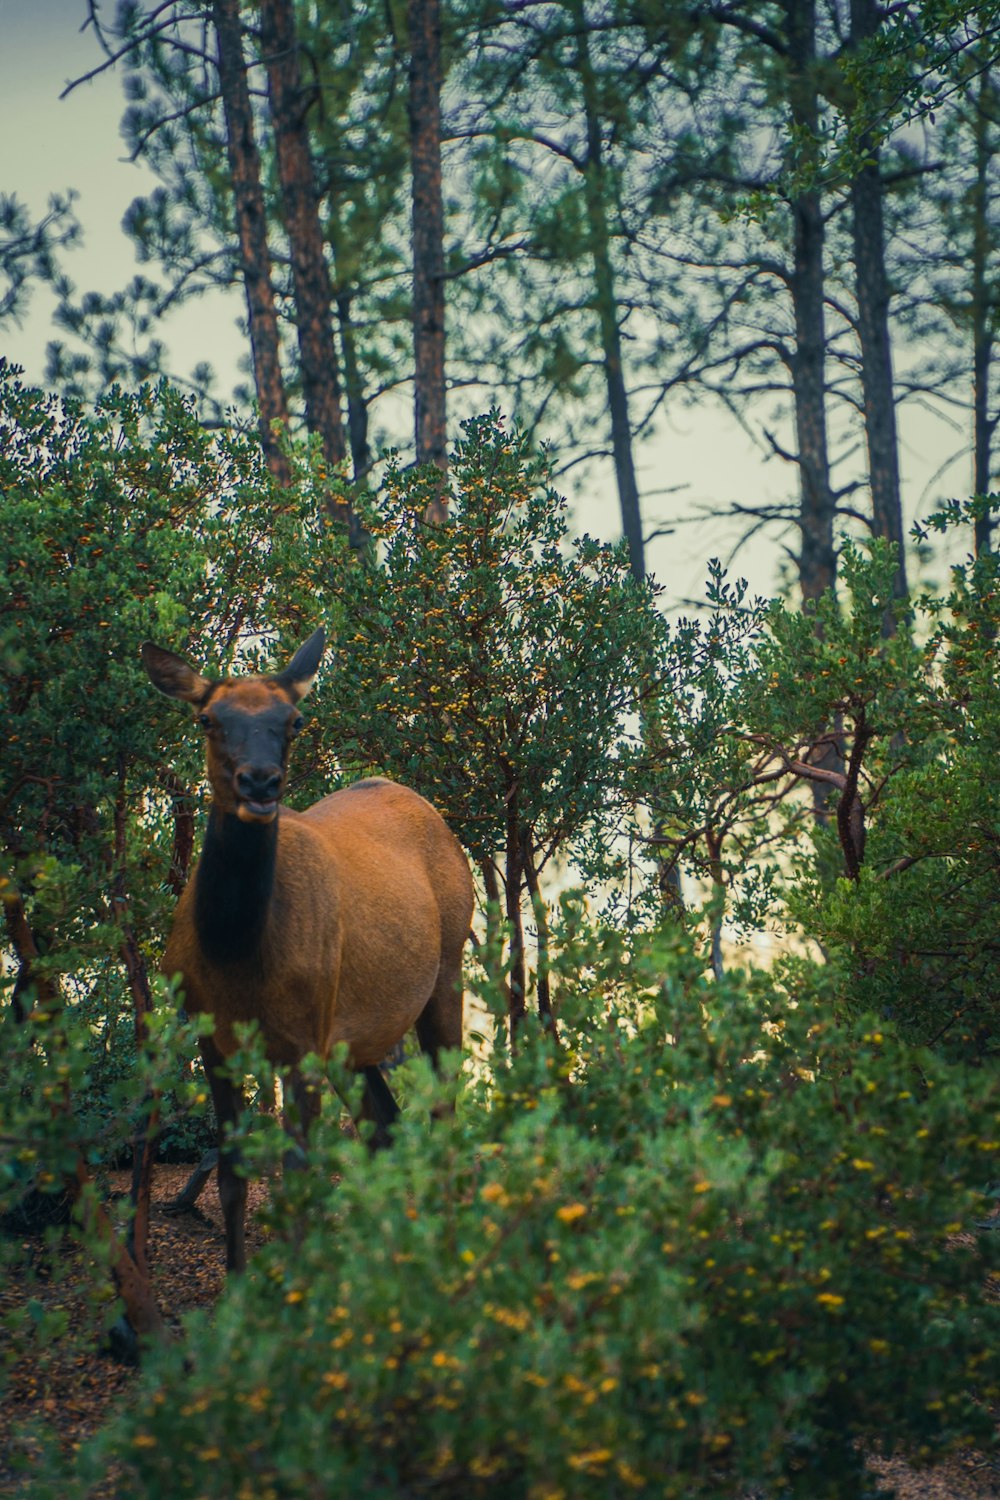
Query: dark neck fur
[[233, 886]]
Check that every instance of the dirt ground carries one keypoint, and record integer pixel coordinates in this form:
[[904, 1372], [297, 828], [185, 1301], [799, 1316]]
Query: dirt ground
[[72, 1390]]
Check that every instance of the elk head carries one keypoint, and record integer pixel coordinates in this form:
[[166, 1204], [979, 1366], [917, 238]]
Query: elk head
[[249, 724]]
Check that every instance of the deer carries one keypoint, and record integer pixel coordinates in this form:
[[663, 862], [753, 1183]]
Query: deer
[[343, 923]]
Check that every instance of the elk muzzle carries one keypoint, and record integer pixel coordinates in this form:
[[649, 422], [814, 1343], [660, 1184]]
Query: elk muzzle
[[258, 790]]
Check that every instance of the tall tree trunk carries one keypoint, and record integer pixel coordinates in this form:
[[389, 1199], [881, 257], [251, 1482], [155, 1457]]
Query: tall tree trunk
[[817, 558], [251, 226], [872, 294], [310, 277], [513, 880], [428, 239], [982, 335], [607, 308], [357, 407]]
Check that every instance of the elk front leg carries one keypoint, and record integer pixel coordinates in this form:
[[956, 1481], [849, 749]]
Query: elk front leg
[[228, 1101], [298, 1124]]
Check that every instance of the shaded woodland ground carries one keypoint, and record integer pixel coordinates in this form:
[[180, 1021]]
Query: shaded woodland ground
[[74, 1388]]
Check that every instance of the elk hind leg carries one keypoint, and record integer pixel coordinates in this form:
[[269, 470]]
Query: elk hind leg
[[439, 1024], [379, 1106]]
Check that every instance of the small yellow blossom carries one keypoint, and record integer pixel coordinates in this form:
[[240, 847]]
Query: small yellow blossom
[[579, 1279], [593, 1458], [570, 1212]]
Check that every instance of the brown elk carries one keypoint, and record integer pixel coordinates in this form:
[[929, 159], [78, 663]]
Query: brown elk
[[343, 923]]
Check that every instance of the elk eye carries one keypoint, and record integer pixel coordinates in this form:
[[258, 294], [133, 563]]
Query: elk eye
[[299, 723], [204, 721]]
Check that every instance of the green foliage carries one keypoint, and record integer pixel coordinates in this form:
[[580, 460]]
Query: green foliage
[[709, 813], [917, 716], [498, 667], [842, 770], [491, 662], [129, 524], [29, 251], [709, 1244], [710, 1240]]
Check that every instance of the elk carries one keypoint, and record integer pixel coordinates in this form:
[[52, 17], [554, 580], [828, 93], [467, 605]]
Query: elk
[[342, 923]]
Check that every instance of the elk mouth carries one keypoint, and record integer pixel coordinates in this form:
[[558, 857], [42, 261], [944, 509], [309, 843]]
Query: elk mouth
[[257, 791], [250, 810]]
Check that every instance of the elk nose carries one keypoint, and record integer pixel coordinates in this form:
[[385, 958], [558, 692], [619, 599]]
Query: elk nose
[[259, 783]]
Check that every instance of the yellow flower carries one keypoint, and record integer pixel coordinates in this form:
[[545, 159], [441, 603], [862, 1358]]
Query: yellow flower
[[579, 1279], [591, 1459], [570, 1212], [830, 1299]]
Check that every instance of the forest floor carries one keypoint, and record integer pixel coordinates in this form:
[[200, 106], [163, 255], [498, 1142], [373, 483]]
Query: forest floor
[[71, 1389]]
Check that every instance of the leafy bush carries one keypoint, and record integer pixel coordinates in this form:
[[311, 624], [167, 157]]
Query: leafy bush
[[128, 523], [497, 665], [711, 1242], [838, 779], [713, 1239]]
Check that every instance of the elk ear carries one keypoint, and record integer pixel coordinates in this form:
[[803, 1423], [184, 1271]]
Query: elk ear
[[300, 674], [172, 675]]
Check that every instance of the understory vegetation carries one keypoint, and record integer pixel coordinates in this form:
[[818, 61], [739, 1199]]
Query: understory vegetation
[[694, 1227]]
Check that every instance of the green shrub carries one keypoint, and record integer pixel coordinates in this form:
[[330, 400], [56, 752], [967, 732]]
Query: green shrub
[[498, 664], [709, 1243], [839, 780], [116, 525]]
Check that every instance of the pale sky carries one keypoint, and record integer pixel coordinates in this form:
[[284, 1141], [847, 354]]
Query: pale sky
[[49, 145]]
